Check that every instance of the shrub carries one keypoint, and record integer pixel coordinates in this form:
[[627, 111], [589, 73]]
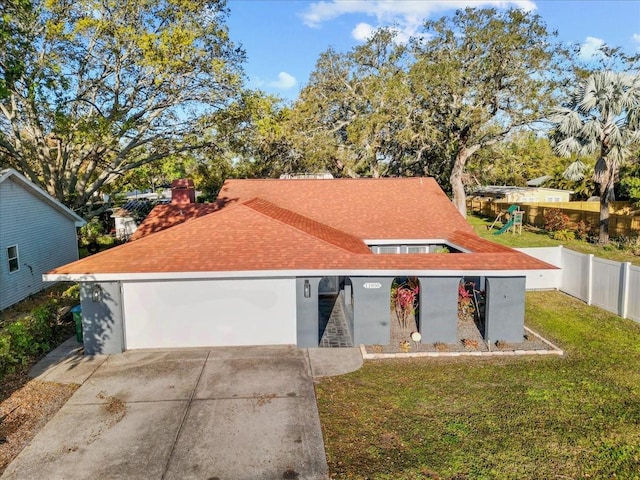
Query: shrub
[[91, 231], [24, 340], [42, 326], [20, 342], [5, 353], [72, 292], [628, 244], [563, 235], [583, 229], [555, 220]]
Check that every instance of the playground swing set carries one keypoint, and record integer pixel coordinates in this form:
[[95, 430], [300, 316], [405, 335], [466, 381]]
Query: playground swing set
[[512, 221]]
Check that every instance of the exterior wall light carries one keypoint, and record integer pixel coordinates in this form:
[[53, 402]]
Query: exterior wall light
[[307, 289], [96, 293]]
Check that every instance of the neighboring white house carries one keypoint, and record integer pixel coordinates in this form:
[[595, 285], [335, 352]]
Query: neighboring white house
[[37, 233], [523, 194]]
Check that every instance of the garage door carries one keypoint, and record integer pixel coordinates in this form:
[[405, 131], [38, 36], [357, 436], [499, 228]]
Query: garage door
[[200, 313]]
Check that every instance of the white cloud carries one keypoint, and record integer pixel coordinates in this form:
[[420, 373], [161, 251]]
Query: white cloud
[[636, 39], [402, 12], [405, 16], [362, 32], [590, 49], [285, 81]]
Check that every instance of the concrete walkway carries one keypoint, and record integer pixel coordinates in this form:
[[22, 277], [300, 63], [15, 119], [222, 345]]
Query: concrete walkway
[[219, 413]]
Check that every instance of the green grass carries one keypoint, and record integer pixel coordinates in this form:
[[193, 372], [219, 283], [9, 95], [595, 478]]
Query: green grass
[[532, 237], [576, 416]]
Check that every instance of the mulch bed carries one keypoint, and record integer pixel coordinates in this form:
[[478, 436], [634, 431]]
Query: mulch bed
[[28, 406]]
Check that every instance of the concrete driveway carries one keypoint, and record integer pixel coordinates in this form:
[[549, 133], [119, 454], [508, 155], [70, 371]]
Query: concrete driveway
[[222, 413]]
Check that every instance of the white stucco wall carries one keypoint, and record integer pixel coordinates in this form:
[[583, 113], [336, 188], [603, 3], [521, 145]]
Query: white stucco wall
[[544, 279], [199, 313]]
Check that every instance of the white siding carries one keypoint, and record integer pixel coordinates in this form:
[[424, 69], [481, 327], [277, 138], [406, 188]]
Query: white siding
[[45, 238], [199, 313]]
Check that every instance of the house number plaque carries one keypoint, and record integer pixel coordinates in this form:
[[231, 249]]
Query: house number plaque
[[372, 285]]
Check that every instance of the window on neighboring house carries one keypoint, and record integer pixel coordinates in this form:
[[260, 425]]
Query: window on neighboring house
[[12, 256], [553, 199]]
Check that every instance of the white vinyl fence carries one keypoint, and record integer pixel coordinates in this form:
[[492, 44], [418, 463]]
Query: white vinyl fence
[[612, 286]]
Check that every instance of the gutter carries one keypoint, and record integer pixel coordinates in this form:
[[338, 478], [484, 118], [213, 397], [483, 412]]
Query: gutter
[[153, 276]]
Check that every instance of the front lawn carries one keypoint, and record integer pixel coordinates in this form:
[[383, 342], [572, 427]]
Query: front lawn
[[528, 417]]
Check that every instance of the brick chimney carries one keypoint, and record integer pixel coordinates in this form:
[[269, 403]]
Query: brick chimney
[[183, 192]]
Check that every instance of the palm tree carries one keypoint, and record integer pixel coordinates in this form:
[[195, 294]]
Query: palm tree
[[601, 118]]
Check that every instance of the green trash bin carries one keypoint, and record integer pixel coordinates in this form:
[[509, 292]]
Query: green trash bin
[[77, 317]]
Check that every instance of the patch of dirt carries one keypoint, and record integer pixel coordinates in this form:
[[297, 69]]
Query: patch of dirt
[[25, 411], [264, 399], [390, 441], [115, 408]]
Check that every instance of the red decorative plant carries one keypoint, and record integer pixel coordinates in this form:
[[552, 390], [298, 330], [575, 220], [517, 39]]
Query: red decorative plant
[[404, 300]]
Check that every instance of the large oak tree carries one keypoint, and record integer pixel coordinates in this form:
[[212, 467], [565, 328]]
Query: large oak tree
[[106, 86], [483, 74]]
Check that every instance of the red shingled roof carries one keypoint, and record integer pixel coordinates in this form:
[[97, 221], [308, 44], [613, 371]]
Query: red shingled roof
[[318, 230], [381, 208], [236, 238], [165, 216], [296, 227]]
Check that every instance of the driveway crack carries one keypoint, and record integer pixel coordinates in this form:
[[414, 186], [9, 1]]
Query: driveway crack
[[184, 417]]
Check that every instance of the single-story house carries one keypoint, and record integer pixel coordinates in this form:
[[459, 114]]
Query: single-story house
[[250, 268], [37, 233], [523, 194]]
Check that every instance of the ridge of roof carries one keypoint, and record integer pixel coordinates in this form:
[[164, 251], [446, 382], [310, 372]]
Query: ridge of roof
[[327, 180], [309, 226]]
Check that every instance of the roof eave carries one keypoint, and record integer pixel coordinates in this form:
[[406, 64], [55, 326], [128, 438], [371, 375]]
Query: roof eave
[[160, 276]]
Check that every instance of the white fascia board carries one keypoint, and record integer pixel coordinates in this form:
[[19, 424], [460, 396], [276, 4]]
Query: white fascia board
[[404, 241], [133, 277], [413, 241]]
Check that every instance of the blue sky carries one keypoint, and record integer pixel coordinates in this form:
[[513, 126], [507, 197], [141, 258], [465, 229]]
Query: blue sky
[[283, 38]]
